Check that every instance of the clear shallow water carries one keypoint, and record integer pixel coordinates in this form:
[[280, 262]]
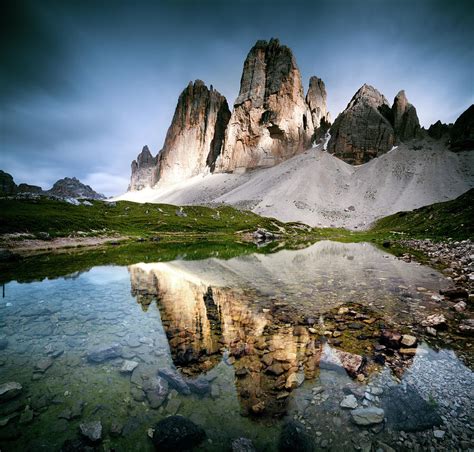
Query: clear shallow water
[[234, 338]]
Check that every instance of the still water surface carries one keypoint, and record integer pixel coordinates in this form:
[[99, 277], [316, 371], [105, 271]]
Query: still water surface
[[242, 346]]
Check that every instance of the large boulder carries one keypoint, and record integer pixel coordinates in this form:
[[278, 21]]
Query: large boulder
[[363, 130], [196, 134], [462, 133], [271, 121], [405, 119], [177, 433], [144, 170]]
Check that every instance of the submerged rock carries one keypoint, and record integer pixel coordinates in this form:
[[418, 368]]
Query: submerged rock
[[102, 354], [175, 380], [368, 416], [242, 445], [91, 430], [293, 437], [349, 402], [10, 390], [408, 411], [177, 433]]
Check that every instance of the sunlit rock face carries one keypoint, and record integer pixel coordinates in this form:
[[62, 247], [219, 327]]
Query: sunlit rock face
[[316, 100], [144, 171], [271, 121], [195, 136]]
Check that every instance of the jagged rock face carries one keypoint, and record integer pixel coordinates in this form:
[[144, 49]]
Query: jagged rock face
[[195, 136], [316, 100], [363, 130], [73, 188], [405, 119], [462, 133], [438, 130], [144, 170], [27, 188], [7, 184], [271, 121]]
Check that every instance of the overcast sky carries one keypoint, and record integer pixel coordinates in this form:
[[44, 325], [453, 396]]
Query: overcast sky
[[85, 84]]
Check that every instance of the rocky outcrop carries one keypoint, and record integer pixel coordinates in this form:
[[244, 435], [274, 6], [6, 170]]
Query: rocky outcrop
[[438, 130], [462, 133], [271, 121], [73, 188], [405, 119], [7, 184], [316, 100], [369, 127], [144, 171], [363, 130], [27, 188], [196, 134]]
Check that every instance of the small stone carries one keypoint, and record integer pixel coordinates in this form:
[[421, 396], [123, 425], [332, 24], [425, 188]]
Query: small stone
[[275, 369], [294, 380], [361, 377], [43, 365], [408, 351], [128, 366], [460, 307], [349, 402], [435, 321], [91, 430], [431, 331], [439, 434], [242, 445], [408, 340], [312, 330], [368, 416]]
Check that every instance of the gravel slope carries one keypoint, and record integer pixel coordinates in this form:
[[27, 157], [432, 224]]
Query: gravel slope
[[320, 190]]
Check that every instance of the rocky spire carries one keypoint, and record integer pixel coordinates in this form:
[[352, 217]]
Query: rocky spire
[[462, 133], [271, 120], [144, 170], [195, 136], [363, 130], [316, 100], [405, 119]]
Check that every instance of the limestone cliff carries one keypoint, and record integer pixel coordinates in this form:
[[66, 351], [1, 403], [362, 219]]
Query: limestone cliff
[[271, 121], [195, 136], [144, 170]]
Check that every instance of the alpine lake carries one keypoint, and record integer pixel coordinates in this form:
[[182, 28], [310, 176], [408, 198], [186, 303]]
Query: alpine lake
[[320, 348]]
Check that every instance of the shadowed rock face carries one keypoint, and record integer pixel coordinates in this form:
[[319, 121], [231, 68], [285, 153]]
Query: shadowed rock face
[[368, 127], [363, 130], [7, 184], [144, 170], [405, 119], [271, 121], [438, 130], [71, 187], [462, 133], [195, 136]]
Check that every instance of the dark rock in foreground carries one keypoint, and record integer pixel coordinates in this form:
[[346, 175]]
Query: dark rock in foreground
[[408, 411], [177, 433], [293, 437]]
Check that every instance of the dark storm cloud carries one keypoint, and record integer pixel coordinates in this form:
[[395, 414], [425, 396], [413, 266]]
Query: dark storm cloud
[[85, 84]]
